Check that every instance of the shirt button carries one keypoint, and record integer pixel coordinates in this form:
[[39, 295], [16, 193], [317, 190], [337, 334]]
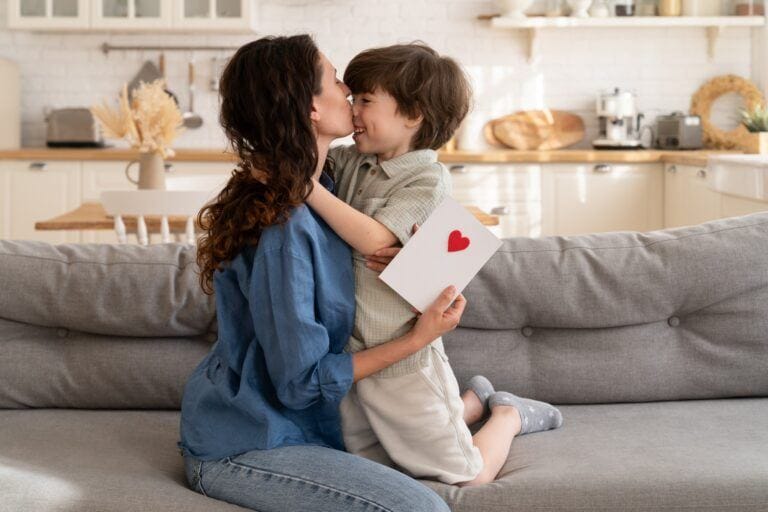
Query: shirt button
[[359, 191], [527, 331], [373, 172], [673, 321]]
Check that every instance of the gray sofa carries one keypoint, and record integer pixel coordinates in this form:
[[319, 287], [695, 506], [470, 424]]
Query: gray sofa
[[655, 346]]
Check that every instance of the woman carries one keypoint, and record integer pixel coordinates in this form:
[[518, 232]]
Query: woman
[[260, 425]]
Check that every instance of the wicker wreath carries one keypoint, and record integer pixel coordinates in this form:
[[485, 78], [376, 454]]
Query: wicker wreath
[[701, 105]]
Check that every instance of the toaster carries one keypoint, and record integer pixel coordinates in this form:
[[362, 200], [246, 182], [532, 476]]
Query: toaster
[[678, 131], [72, 128]]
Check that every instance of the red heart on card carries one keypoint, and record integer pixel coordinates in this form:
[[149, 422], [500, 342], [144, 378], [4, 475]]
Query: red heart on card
[[456, 242]]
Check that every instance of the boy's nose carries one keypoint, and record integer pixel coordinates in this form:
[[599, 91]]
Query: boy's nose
[[346, 89]]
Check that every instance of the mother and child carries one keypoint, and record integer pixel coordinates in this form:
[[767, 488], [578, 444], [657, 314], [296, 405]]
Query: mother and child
[[325, 391]]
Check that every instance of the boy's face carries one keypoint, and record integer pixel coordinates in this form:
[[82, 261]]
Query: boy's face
[[379, 128]]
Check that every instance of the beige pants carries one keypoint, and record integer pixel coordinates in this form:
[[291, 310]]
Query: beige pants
[[415, 421]]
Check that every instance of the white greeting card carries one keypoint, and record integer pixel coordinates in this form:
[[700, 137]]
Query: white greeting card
[[449, 249]]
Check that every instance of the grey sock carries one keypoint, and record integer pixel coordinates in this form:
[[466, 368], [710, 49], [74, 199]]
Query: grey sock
[[536, 416], [483, 388]]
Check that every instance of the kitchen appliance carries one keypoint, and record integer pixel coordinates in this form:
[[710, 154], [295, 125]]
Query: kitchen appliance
[[10, 105], [619, 122], [72, 128], [624, 7], [678, 131]]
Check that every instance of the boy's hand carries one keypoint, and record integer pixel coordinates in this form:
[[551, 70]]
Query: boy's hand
[[379, 260]]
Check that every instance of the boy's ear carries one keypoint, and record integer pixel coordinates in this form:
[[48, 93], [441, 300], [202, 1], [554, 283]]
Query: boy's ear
[[414, 122]]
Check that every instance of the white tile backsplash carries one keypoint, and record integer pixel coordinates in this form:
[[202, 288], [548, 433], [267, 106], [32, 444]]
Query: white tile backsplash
[[663, 66]]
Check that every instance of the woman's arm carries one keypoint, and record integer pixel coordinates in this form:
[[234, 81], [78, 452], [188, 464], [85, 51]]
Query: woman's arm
[[360, 231], [441, 317]]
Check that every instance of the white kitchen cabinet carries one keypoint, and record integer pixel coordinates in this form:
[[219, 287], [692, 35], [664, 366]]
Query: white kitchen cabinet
[[37, 191], [5, 200], [48, 14], [687, 198], [512, 192], [591, 198], [131, 14], [214, 14], [733, 206]]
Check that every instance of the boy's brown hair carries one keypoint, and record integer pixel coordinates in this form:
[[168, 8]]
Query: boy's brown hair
[[421, 82]]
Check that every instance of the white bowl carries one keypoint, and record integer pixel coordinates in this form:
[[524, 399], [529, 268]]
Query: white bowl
[[513, 8]]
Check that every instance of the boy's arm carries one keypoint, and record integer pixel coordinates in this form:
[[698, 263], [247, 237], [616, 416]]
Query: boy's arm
[[363, 233]]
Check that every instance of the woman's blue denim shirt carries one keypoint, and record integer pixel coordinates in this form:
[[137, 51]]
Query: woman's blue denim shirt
[[277, 373]]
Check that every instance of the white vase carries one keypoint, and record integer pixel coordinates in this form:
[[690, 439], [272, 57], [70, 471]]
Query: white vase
[[579, 8]]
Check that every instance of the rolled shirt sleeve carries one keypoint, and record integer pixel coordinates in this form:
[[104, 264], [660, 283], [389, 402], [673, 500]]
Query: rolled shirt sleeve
[[296, 345]]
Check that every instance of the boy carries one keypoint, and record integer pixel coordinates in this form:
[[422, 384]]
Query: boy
[[407, 102]]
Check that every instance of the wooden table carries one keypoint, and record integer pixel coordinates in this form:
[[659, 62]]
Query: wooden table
[[91, 216]]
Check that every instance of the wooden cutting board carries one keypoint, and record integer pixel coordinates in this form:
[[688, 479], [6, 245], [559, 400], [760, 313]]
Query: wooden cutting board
[[535, 129]]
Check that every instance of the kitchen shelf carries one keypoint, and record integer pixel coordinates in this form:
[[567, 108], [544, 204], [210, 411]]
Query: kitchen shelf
[[713, 25]]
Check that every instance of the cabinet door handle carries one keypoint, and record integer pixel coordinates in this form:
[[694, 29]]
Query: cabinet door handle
[[458, 169], [37, 166], [169, 167], [603, 168], [672, 169], [500, 210], [701, 173]]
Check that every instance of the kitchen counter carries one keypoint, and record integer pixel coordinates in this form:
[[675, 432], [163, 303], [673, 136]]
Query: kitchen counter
[[495, 156]]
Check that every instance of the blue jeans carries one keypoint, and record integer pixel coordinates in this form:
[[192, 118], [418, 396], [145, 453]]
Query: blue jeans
[[309, 478]]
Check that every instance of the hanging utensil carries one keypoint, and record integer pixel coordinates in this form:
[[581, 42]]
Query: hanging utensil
[[161, 67], [189, 118]]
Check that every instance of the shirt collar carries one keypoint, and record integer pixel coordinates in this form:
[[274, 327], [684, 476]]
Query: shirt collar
[[403, 162], [409, 160]]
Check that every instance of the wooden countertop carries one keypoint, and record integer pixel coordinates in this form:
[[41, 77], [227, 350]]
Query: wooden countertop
[[93, 216], [497, 156]]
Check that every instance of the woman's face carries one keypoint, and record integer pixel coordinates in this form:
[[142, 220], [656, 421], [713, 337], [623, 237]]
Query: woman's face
[[331, 110]]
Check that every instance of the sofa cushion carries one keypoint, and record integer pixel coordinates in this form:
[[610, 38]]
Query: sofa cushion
[[94, 461], [677, 456], [665, 456], [125, 290], [56, 367], [623, 317]]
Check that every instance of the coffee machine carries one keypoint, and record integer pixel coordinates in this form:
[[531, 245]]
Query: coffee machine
[[619, 122]]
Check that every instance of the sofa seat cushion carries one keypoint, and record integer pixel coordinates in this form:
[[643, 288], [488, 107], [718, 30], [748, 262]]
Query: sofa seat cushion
[[695, 455], [93, 461], [707, 455]]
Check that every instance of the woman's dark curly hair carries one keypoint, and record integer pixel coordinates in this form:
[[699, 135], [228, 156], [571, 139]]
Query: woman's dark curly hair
[[266, 93]]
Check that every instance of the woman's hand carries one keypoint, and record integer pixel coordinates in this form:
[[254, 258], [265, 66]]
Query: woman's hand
[[440, 317], [379, 260]]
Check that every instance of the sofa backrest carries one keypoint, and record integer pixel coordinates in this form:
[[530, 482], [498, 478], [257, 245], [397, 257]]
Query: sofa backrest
[[100, 326], [623, 317], [611, 317]]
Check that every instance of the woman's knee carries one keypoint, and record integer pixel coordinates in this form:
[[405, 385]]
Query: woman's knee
[[422, 498]]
